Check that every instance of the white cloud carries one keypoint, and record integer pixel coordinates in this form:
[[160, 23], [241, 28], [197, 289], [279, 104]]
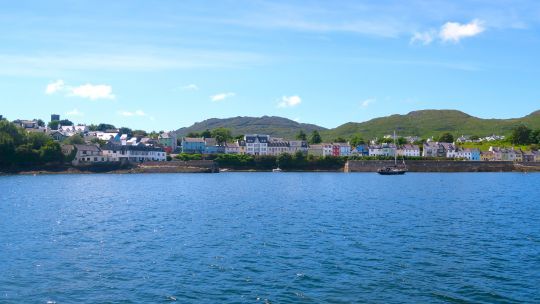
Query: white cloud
[[289, 101], [190, 87], [367, 102], [449, 32], [424, 38], [75, 112], [92, 92], [454, 31], [139, 113], [54, 87], [222, 96]]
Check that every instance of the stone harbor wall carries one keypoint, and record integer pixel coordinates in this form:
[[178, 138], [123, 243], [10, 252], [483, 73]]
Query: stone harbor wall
[[442, 166]]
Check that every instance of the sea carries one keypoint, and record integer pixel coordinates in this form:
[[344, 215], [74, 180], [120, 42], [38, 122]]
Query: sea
[[270, 238]]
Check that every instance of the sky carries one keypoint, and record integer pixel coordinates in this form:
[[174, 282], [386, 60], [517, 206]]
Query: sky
[[162, 65]]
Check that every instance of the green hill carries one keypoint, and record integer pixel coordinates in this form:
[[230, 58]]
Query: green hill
[[427, 123], [272, 125]]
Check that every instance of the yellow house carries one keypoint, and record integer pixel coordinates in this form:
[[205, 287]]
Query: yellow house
[[487, 156], [519, 155]]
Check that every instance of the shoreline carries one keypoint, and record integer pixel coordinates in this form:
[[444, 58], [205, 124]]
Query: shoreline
[[352, 166]]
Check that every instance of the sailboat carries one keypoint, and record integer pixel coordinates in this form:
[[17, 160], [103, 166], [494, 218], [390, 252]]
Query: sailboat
[[395, 169]]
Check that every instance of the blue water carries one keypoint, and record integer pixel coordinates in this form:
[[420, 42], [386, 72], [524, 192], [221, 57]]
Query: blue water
[[263, 237]]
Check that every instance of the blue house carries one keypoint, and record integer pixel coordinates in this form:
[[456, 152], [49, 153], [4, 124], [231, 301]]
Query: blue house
[[193, 145], [213, 147], [361, 150]]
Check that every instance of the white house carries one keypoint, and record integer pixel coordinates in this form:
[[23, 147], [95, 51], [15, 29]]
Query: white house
[[256, 144], [88, 154], [232, 148], [409, 150], [133, 153]]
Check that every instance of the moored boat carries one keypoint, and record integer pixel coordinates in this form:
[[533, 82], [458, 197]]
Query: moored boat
[[395, 169]]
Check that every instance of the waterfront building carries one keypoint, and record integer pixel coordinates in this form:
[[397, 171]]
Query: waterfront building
[[213, 147], [343, 149], [409, 150], [232, 148], [133, 153], [193, 145], [487, 156], [256, 144], [385, 149], [436, 149], [168, 140], [528, 156], [277, 146], [88, 154], [360, 150], [327, 149], [298, 146], [315, 150]]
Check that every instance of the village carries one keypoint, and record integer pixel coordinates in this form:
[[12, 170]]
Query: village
[[114, 146]]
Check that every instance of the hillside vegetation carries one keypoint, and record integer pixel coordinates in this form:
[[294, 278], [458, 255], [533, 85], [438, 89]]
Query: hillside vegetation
[[427, 123], [424, 123], [272, 125]]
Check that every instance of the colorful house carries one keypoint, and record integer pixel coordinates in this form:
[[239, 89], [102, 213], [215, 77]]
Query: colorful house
[[193, 145]]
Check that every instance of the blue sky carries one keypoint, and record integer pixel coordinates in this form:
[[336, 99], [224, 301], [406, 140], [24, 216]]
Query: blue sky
[[161, 65]]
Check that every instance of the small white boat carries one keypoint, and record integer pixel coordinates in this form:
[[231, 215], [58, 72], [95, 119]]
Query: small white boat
[[277, 170]]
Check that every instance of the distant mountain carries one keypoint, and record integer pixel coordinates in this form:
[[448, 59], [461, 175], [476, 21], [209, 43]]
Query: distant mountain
[[272, 125], [424, 123], [427, 123]]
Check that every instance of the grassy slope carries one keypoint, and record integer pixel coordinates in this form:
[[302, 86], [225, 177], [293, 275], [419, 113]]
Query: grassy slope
[[429, 123], [272, 125], [424, 123]]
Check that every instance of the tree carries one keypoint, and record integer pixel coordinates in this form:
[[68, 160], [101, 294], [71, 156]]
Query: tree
[[37, 139], [98, 141], [446, 138], [535, 137], [221, 135], [340, 140], [104, 127], [74, 140], [41, 123], [474, 137], [357, 140], [51, 152], [53, 125], [315, 137], [401, 141], [65, 122], [301, 135], [124, 130], [139, 133], [206, 134], [193, 135], [521, 135]]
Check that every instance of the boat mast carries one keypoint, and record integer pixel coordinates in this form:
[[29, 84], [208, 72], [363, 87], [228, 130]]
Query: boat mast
[[395, 151]]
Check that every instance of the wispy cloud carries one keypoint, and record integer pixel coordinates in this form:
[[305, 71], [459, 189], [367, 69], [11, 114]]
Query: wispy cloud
[[88, 91], [74, 112], [367, 102], [190, 87], [143, 60], [54, 87], [222, 96], [449, 32], [138, 113], [289, 101]]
